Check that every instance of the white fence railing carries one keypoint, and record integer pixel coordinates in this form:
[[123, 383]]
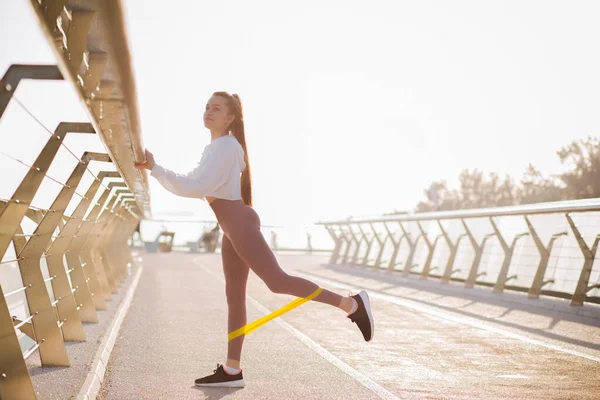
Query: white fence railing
[[545, 248]]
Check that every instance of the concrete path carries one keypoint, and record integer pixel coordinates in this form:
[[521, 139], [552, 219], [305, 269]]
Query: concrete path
[[65, 382], [432, 341]]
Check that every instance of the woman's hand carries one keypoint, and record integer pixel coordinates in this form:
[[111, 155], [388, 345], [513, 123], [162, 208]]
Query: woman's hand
[[148, 164]]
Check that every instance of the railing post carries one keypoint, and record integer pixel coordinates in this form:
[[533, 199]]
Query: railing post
[[348, 247], [13, 212], [538, 280], [508, 254], [106, 235], [75, 232], [358, 242], [412, 247], [51, 9], [109, 244], [76, 36], [448, 271], [431, 250], [130, 224], [381, 245], [79, 253], [15, 381], [396, 244], [95, 222], [589, 254], [365, 260], [338, 245], [45, 322], [72, 328], [52, 349], [95, 239], [474, 271], [17, 72]]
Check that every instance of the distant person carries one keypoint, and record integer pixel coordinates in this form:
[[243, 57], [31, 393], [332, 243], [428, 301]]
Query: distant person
[[217, 179]]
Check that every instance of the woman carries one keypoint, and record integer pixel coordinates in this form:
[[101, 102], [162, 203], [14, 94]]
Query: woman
[[217, 179]]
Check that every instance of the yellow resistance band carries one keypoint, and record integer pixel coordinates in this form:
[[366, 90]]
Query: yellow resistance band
[[244, 330]]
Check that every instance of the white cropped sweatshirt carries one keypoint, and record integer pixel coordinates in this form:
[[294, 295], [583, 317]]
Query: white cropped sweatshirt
[[217, 174]]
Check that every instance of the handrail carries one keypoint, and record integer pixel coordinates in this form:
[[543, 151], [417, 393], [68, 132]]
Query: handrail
[[472, 275], [585, 205], [106, 86]]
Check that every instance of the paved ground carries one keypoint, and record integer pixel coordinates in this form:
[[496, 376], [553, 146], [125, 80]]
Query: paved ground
[[65, 382], [432, 341]]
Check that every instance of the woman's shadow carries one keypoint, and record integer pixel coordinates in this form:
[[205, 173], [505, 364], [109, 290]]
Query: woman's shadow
[[215, 393]]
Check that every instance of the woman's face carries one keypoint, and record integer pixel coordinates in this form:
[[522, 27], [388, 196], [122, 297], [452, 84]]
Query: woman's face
[[216, 115]]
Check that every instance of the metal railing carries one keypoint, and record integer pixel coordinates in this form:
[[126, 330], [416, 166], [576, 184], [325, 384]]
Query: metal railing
[[64, 204], [505, 247]]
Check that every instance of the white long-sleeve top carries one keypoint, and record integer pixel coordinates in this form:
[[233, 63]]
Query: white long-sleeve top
[[217, 174]]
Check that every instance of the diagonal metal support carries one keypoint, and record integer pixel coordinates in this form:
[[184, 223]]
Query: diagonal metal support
[[430, 251], [96, 63], [538, 281], [72, 328], [348, 241], [453, 247], [76, 257], [102, 242], [337, 245], [412, 247], [116, 244], [76, 36], [358, 243], [84, 304], [12, 214], [18, 72], [110, 240], [15, 382], [52, 349], [589, 254], [478, 248], [508, 254], [89, 252], [381, 245], [51, 9], [396, 244], [365, 260]]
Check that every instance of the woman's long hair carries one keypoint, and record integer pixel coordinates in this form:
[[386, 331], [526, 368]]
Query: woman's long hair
[[237, 130]]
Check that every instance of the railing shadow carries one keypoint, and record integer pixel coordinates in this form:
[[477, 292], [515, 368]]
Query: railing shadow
[[500, 299]]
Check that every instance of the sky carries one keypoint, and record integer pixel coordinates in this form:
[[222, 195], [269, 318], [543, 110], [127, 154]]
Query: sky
[[352, 108]]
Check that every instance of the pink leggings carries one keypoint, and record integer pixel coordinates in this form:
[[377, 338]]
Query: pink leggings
[[244, 247]]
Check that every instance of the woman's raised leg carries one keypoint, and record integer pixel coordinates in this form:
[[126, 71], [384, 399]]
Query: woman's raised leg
[[252, 247]]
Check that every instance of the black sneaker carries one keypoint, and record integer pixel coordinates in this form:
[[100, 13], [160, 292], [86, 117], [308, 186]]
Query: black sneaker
[[362, 316], [220, 378]]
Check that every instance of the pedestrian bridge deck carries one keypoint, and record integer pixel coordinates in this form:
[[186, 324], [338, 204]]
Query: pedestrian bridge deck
[[431, 341]]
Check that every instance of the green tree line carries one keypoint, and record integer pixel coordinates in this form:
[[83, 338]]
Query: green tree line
[[580, 180]]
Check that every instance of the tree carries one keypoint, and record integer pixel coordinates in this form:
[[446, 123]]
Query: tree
[[580, 181], [536, 188], [476, 191], [583, 179], [479, 191]]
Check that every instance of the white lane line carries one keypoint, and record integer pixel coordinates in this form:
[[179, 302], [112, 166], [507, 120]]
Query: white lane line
[[362, 379], [95, 376], [447, 316]]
